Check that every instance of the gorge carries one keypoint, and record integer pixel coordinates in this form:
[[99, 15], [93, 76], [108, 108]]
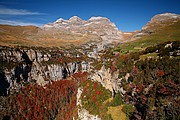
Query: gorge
[[77, 69]]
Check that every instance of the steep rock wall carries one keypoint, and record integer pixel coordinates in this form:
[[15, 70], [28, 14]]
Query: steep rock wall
[[109, 80], [22, 65]]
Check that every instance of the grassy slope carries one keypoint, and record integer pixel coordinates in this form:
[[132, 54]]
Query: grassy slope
[[33, 36], [168, 33], [116, 113]]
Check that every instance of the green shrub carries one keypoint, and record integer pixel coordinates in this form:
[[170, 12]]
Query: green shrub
[[128, 109], [117, 100], [93, 97]]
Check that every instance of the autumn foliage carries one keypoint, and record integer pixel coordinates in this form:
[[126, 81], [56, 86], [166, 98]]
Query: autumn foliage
[[93, 97], [56, 100]]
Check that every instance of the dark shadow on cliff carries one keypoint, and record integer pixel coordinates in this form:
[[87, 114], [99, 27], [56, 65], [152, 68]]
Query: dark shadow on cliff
[[65, 73], [23, 69], [4, 85], [6, 118], [26, 58]]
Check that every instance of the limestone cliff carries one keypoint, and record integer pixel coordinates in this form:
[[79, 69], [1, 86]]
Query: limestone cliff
[[40, 66]]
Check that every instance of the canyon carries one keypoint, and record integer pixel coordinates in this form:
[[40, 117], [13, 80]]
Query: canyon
[[131, 65]]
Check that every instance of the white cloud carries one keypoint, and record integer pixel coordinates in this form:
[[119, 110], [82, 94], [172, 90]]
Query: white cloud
[[8, 11], [11, 22]]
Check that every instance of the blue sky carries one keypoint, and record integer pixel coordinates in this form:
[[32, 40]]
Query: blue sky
[[128, 15]]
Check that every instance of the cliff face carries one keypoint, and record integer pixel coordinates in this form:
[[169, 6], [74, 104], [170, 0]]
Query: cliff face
[[43, 65], [21, 65]]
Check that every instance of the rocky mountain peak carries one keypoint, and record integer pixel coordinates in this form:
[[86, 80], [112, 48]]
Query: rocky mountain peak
[[165, 17], [100, 26], [159, 21], [98, 18], [59, 20], [75, 18]]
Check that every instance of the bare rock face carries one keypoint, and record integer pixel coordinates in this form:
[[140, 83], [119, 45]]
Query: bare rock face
[[107, 79], [100, 26], [22, 65]]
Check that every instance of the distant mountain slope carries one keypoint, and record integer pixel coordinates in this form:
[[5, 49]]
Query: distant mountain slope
[[17, 35], [161, 28], [160, 21], [34, 36], [74, 31]]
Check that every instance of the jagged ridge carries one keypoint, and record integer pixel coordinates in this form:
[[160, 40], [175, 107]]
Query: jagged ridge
[[100, 26]]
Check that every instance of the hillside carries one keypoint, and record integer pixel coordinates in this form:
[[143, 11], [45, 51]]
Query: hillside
[[29, 36], [74, 31], [137, 79], [146, 72], [168, 30]]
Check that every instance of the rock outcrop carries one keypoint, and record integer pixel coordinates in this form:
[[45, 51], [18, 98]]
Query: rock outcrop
[[21, 65], [100, 26], [108, 79]]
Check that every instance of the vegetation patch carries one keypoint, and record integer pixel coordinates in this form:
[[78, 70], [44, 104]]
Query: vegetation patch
[[168, 33], [117, 100], [153, 79], [128, 109], [93, 98], [117, 113], [149, 56], [97, 65], [56, 100]]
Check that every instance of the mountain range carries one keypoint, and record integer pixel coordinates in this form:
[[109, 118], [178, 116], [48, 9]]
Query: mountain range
[[89, 70], [77, 31]]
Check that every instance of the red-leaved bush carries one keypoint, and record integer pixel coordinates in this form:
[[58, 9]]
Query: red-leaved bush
[[56, 100]]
